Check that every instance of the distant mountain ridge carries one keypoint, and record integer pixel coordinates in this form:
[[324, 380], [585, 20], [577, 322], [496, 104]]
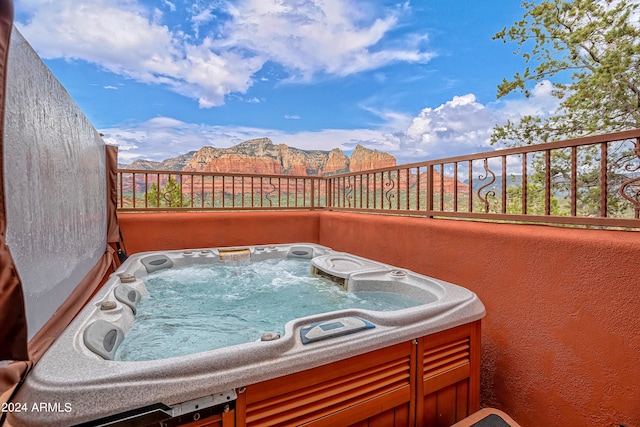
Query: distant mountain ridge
[[262, 156], [172, 164]]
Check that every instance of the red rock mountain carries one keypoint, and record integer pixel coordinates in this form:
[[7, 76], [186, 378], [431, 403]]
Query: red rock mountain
[[261, 156]]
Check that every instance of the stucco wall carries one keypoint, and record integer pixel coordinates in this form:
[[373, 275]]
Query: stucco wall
[[165, 231], [560, 340]]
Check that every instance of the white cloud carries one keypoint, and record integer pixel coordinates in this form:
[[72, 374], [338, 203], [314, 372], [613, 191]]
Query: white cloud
[[200, 16], [328, 139], [170, 5], [336, 37], [463, 125], [308, 37], [392, 120], [157, 139], [126, 39], [164, 137], [116, 35], [459, 126], [541, 103]]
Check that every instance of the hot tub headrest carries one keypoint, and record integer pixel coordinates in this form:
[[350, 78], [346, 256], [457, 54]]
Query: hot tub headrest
[[300, 252], [103, 338], [127, 295], [156, 262]]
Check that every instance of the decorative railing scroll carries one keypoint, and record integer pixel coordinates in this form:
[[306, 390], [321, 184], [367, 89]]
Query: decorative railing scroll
[[269, 194], [633, 183], [349, 191], [490, 193], [390, 185]]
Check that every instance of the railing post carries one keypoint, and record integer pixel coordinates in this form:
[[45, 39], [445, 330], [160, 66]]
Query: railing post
[[504, 185], [121, 190], [417, 191], [603, 179], [133, 180], [146, 190], [547, 182], [470, 172], [455, 186], [430, 191], [441, 189], [408, 195], [574, 181], [524, 184]]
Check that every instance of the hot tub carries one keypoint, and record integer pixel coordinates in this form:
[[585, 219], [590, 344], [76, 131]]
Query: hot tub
[[379, 353]]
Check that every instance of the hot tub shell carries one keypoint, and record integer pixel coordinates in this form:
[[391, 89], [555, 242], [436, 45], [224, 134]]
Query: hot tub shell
[[93, 388]]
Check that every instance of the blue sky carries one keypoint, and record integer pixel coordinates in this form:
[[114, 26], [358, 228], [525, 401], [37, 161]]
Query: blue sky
[[162, 77]]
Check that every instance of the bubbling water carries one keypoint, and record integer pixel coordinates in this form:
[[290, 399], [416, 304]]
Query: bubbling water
[[204, 307]]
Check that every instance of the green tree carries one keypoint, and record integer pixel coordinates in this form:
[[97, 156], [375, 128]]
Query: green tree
[[535, 199], [169, 195], [590, 52], [595, 46]]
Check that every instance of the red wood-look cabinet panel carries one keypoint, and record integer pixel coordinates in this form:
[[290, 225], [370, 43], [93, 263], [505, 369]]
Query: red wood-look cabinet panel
[[431, 381], [450, 379]]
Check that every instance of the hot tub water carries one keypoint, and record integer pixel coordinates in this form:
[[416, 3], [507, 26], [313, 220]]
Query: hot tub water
[[204, 307]]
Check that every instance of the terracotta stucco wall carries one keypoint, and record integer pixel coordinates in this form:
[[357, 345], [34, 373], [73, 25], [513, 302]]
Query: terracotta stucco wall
[[561, 342], [165, 231]]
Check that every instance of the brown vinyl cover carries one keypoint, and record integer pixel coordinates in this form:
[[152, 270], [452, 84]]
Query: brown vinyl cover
[[13, 324], [113, 230], [13, 321]]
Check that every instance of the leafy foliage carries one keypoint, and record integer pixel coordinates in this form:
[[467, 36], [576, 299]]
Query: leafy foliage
[[593, 44], [169, 195], [590, 51]]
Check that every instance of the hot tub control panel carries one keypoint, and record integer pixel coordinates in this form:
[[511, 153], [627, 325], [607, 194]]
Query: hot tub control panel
[[333, 328]]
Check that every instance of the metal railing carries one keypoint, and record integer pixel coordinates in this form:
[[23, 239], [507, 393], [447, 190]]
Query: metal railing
[[144, 190], [587, 181]]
